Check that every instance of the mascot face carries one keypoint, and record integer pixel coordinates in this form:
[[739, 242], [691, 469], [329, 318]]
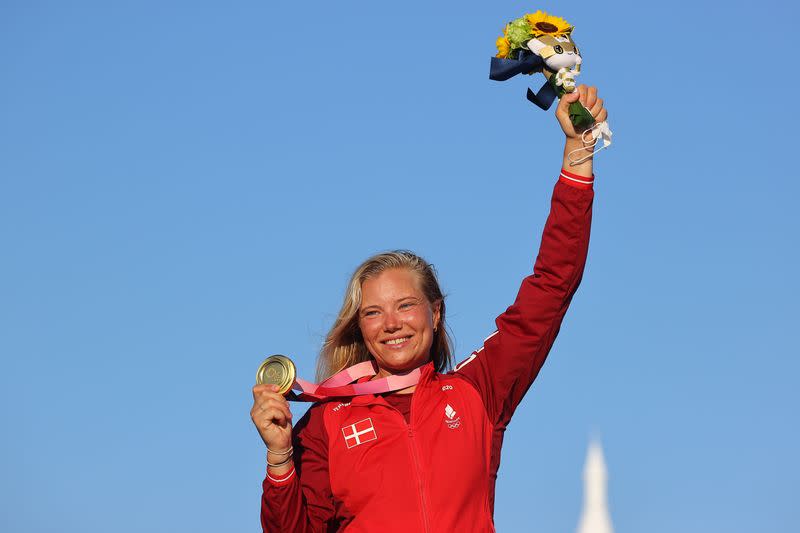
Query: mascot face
[[557, 51]]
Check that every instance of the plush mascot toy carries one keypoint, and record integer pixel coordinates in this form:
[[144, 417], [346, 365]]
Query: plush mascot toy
[[543, 43]]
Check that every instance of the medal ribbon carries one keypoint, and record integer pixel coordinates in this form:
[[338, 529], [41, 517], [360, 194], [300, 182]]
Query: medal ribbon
[[341, 383]]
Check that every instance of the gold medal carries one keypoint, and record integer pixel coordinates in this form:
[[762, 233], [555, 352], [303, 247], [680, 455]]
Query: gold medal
[[277, 370]]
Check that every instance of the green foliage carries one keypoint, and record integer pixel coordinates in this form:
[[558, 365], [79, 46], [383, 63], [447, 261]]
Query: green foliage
[[518, 33]]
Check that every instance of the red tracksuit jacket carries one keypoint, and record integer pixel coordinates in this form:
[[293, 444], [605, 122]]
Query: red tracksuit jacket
[[361, 467]]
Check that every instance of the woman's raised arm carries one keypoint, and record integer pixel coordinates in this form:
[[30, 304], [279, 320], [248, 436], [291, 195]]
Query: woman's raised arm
[[504, 368]]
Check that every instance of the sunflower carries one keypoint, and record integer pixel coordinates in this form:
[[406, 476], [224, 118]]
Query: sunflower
[[503, 45], [543, 24]]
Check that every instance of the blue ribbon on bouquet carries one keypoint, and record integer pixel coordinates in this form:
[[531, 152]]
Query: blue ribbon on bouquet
[[502, 69]]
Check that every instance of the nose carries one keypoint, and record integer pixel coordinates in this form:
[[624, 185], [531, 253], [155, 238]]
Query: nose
[[392, 322]]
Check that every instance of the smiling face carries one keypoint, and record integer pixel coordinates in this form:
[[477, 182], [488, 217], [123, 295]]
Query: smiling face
[[397, 321]]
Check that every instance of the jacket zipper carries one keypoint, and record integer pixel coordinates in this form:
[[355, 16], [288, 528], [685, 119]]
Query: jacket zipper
[[418, 471], [415, 454]]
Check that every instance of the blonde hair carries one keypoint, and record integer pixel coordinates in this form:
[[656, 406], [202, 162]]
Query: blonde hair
[[344, 346]]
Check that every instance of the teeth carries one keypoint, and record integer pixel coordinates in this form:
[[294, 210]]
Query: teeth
[[397, 341]]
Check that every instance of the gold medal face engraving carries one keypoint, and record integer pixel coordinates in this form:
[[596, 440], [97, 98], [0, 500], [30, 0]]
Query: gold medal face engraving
[[277, 370]]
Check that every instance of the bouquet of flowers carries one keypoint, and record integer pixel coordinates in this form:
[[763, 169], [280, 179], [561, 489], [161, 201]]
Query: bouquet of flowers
[[543, 43]]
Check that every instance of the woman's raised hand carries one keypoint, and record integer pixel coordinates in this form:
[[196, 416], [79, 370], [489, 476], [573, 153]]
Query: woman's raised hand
[[588, 97], [273, 420], [575, 143]]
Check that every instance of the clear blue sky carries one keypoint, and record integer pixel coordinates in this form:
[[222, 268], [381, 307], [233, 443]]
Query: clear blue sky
[[186, 186]]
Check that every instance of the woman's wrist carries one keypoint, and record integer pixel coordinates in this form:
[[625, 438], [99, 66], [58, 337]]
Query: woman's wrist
[[279, 465], [281, 475], [579, 150]]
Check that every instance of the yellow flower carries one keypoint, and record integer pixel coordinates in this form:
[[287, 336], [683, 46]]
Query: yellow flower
[[543, 24], [503, 46]]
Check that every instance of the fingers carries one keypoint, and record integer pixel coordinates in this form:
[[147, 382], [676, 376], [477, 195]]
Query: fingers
[[262, 389], [569, 98], [272, 416], [589, 97], [268, 417], [269, 406], [562, 112], [563, 103], [596, 108], [275, 407], [593, 103], [582, 90]]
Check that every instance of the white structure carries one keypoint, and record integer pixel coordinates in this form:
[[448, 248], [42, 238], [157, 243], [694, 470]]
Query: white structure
[[595, 517]]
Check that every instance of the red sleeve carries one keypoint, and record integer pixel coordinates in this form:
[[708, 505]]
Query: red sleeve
[[301, 501], [505, 366]]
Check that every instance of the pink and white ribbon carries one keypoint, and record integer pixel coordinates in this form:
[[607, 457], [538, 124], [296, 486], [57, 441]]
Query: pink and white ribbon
[[341, 384]]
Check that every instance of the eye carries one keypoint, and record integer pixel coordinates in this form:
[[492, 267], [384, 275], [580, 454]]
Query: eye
[[406, 305], [557, 49], [371, 312]]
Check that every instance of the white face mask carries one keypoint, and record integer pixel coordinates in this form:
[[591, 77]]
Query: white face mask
[[600, 130]]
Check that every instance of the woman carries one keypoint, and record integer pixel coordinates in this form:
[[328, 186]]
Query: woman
[[424, 458]]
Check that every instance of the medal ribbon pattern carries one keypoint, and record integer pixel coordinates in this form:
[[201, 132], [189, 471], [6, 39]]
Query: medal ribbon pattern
[[341, 384]]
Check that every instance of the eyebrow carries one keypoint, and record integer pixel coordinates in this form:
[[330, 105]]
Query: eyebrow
[[399, 300]]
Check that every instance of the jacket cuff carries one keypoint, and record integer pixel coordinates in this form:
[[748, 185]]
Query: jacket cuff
[[279, 481], [574, 180]]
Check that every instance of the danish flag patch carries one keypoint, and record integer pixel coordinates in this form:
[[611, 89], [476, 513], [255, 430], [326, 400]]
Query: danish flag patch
[[359, 433]]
